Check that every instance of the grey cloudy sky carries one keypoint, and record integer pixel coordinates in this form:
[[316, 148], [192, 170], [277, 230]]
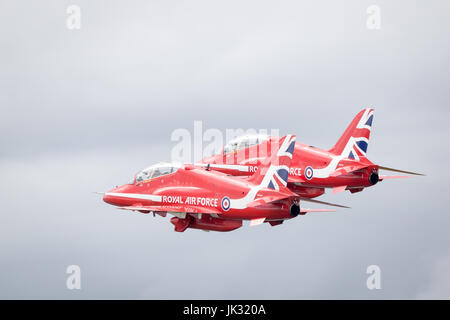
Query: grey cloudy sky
[[83, 110]]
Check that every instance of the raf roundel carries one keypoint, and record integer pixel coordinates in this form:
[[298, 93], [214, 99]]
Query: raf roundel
[[309, 173], [226, 203]]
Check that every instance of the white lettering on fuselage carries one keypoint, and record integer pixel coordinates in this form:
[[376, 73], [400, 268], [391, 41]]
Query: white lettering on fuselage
[[197, 201], [295, 171], [292, 171], [172, 199]]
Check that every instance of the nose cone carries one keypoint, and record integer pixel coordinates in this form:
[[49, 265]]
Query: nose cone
[[113, 196], [108, 197]]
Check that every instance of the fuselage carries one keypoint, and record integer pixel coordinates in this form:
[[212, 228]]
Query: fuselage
[[225, 196], [312, 169]]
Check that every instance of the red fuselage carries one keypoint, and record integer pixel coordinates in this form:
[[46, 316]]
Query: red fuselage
[[189, 189], [312, 169]]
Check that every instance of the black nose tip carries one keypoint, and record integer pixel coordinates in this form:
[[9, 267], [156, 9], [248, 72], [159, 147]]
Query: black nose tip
[[374, 178]]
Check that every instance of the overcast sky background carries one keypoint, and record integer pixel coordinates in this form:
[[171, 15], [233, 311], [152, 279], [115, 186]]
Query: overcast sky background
[[83, 110]]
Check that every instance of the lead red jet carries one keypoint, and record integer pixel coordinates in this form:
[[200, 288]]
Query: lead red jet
[[343, 167], [205, 199]]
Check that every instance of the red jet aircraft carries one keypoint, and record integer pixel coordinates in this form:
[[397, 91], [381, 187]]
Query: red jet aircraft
[[343, 167], [211, 200]]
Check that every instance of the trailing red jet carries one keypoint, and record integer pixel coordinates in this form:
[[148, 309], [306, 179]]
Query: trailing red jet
[[205, 199], [343, 167]]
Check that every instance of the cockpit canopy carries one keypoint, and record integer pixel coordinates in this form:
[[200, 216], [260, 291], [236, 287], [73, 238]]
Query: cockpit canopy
[[156, 170], [243, 142]]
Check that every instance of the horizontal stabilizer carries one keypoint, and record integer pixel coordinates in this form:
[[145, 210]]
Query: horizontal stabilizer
[[401, 171], [306, 210], [393, 177], [324, 202]]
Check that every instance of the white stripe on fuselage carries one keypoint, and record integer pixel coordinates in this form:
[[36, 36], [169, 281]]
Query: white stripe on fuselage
[[136, 196], [324, 173], [250, 196], [225, 166]]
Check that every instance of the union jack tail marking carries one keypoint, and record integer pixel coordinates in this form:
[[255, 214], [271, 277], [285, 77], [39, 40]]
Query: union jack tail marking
[[355, 140], [273, 172]]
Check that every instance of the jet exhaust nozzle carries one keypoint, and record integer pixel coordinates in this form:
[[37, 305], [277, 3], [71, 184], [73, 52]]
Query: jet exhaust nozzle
[[295, 210], [374, 178]]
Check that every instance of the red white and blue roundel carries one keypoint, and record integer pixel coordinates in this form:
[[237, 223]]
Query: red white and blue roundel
[[225, 203], [309, 172]]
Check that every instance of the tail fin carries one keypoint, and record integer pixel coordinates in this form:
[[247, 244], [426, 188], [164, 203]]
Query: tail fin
[[353, 143], [273, 171]]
